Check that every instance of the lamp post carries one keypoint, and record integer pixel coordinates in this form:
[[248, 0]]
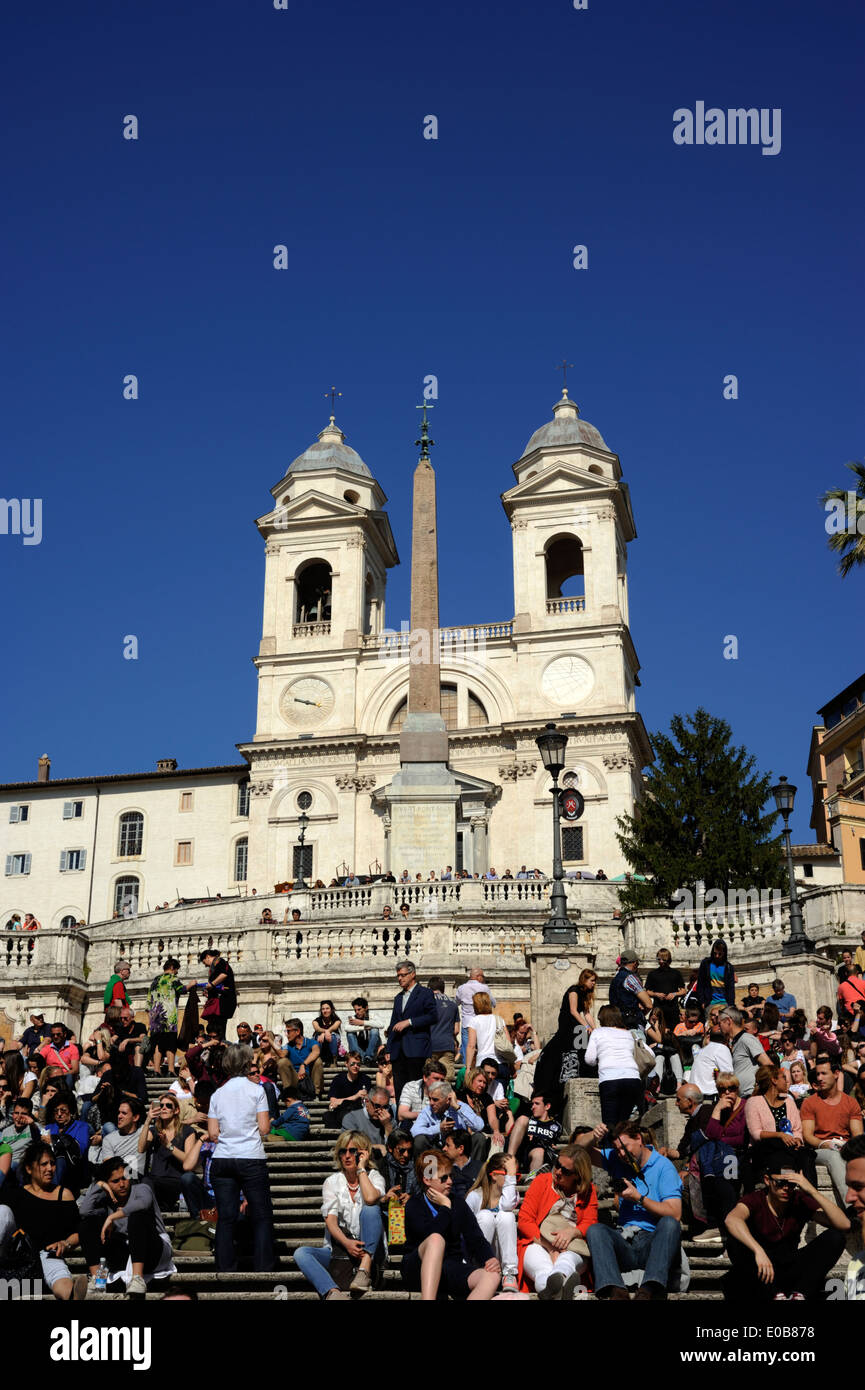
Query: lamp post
[[797, 943], [559, 929], [303, 822]]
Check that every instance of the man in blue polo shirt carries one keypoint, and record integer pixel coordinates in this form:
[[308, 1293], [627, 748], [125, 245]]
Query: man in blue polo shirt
[[785, 1003], [304, 1054], [649, 1236]]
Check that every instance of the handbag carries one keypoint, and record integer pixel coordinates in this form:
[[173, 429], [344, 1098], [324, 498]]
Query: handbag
[[20, 1260], [211, 1008], [502, 1043], [552, 1225], [644, 1059]]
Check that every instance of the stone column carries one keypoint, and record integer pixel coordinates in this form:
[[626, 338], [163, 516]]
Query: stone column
[[552, 969], [810, 979]]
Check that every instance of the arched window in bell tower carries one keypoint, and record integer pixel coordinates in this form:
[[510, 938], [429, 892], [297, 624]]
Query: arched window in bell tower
[[314, 591], [564, 566]]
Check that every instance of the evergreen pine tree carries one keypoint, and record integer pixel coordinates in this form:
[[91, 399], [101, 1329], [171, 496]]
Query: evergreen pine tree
[[701, 818]]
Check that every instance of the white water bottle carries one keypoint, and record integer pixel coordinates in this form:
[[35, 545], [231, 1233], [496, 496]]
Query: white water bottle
[[100, 1278]]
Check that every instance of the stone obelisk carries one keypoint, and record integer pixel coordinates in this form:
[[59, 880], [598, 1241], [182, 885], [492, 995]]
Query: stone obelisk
[[424, 793]]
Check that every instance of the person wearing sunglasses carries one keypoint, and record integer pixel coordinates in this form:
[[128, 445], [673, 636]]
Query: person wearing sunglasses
[[351, 1207], [720, 1157], [446, 1250], [558, 1210], [764, 1230]]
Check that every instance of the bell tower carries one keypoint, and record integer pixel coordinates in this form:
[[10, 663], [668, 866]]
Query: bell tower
[[328, 547]]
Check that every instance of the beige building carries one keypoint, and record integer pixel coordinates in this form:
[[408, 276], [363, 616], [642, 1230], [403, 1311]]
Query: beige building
[[332, 687], [836, 766]]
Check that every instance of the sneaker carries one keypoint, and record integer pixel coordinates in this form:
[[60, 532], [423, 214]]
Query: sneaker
[[710, 1237], [361, 1283], [780, 1298], [572, 1283], [337, 1294], [795, 1297], [136, 1288], [510, 1284], [553, 1287]]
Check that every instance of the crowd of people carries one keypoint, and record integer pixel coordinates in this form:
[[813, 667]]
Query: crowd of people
[[450, 1148]]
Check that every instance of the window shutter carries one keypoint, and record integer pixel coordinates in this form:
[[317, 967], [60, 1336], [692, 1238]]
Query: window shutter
[[82, 858], [62, 861], [67, 810], [27, 859], [9, 859], [14, 816]]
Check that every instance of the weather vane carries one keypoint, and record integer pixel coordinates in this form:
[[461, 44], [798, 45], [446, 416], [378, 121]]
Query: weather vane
[[425, 442]]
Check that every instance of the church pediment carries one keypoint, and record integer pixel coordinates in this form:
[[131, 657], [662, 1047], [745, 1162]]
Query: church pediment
[[556, 478], [311, 506]]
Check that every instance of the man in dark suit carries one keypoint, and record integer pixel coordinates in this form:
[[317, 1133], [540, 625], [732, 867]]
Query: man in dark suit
[[408, 1037]]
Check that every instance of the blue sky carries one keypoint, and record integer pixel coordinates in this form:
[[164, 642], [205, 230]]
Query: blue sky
[[408, 257]]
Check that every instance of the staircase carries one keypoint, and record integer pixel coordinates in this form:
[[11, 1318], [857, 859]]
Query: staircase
[[297, 1171]]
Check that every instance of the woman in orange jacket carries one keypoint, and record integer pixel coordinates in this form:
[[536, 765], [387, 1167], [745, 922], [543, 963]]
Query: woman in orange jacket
[[547, 1265]]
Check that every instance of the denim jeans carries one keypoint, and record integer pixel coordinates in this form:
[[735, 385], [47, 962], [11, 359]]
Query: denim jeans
[[227, 1177], [371, 1048], [655, 1252], [314, 1261]]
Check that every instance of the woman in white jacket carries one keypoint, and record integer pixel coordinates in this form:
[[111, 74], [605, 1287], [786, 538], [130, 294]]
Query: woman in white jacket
[[494, 1200], [611, 1049]]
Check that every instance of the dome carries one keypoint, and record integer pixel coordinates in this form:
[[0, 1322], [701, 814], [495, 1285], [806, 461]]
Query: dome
[[565, 428], [330, 451]]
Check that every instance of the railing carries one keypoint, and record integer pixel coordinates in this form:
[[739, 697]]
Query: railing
[[495, 940], [19, 951], [311, 630], [467, 635], [146, 953], [384, 940], [566, 605]]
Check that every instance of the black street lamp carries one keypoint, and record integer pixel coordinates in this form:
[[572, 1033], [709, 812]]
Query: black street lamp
[[303, 822], [797, 943], [559, 929]]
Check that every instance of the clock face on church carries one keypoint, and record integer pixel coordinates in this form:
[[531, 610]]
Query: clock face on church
[[567, 680], [306, 702]]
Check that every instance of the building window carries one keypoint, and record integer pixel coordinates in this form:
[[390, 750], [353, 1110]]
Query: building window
[[243, 799], [572, 842], [68, 923], [296, 862], [461, 863], [17, 864], [477, 714], [808, 870], [73, 810], [131, 834], [72, 860], [126, 895], [186, 801], [862, 853], [241, 860], [304, 801], [183, 852], [18, 814]]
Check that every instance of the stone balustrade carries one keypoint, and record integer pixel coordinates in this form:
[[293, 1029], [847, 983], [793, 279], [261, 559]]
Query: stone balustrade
[[556, 606], [343, 944]]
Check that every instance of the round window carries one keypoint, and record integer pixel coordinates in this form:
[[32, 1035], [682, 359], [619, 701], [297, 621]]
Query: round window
[[304, 800]]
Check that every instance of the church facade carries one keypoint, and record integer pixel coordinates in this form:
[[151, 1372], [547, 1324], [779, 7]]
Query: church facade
[[332, 698]]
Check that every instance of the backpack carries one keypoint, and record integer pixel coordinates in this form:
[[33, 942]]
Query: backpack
[[194, 1236], [623, 1000]]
